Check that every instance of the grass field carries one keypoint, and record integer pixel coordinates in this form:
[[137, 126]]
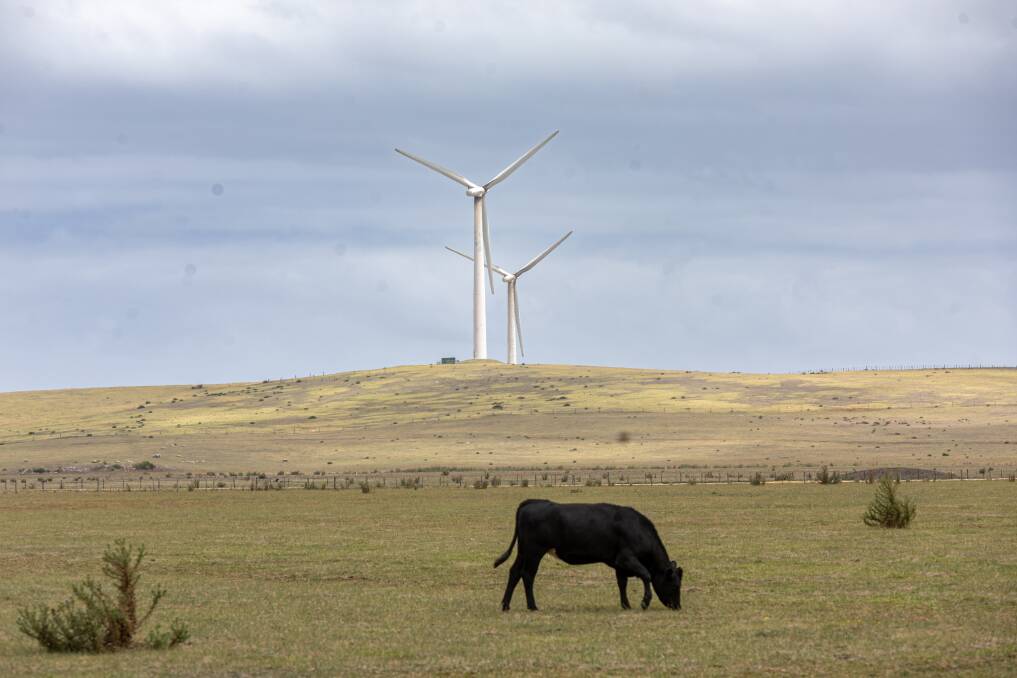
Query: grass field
[[483, 415], [780, 578]]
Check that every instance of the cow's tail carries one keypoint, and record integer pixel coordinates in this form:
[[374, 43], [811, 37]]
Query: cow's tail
[[515, 533]]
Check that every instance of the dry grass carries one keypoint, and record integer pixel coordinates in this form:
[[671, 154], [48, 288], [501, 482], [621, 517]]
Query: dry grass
[[779, 579], [483, 415]]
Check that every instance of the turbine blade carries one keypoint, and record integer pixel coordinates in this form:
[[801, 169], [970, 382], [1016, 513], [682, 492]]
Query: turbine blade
[[439, 169], [536, 260], [487, 244], [501, 176], [519, 327], [459, 253], [497, 269]]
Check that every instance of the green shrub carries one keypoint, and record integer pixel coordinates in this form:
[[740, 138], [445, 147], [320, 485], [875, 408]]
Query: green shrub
[[757, 479], [144, 466], [824, 477], [365, 487], [92, 620], [886, 509]]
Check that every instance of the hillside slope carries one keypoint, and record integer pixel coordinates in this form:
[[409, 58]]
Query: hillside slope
[[486, 414]]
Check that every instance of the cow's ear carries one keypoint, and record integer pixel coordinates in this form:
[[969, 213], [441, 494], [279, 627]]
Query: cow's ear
[[674, 565]]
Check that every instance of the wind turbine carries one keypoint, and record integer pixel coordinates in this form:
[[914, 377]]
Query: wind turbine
[[481, 236], [514, 326]]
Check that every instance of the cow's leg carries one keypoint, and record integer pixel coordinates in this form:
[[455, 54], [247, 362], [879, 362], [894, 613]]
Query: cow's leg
[[623, 584], [629, 563], [513, 579], [529, 572]]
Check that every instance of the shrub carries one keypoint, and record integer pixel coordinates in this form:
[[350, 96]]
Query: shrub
[[495, 481], [480, 484], [365, 487], [886, 509], [92, 620], [757, 479], [824, 477], [525, 482]]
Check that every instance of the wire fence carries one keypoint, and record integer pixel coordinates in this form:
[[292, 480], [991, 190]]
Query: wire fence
[[912, 366], [368, 481]]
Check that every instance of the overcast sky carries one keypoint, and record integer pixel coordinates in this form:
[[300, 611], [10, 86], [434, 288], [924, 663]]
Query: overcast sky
[[207, 191]]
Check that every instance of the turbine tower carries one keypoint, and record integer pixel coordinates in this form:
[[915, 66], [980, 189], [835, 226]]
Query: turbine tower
[[481, 236], [513, 325]]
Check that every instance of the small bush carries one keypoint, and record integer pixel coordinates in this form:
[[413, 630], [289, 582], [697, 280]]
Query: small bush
[[886, 509], [757, 479], [92, 620], [525, 482], [824, 477], [480, 484], [365, 487]]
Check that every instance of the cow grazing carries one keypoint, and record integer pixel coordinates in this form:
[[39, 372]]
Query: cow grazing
[[618, 536]]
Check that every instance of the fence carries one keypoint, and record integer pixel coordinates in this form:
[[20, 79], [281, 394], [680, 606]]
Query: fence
[[480, 479]]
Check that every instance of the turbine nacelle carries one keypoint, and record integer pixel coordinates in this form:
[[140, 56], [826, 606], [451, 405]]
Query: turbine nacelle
[[476, 191], [508, 278]]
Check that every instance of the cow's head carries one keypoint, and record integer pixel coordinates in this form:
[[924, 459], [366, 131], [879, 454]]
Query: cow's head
[[668, 585]]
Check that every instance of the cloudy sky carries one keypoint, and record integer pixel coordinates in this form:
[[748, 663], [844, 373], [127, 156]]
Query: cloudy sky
[[207, 191]]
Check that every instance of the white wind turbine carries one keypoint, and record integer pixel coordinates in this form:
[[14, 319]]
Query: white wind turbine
[[514, 326], [481, 237]]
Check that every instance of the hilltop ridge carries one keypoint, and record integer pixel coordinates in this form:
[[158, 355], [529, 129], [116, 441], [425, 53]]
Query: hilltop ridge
[[485, 413]]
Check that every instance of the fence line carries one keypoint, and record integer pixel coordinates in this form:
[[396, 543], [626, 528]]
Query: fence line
[[487, 479]]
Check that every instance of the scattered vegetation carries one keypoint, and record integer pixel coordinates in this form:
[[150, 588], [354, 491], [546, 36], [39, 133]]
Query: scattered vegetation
[[888, 510], [92, 620]]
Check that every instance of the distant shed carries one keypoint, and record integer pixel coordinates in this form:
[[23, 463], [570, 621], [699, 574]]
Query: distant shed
[[448, 361]]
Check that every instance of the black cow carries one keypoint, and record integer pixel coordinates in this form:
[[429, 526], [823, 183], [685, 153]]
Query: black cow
[[579, 534]]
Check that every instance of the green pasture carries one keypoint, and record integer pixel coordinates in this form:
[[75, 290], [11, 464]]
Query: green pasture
[[780, 578]]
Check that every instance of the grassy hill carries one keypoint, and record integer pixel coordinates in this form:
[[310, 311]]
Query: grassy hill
[[487, 414]]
